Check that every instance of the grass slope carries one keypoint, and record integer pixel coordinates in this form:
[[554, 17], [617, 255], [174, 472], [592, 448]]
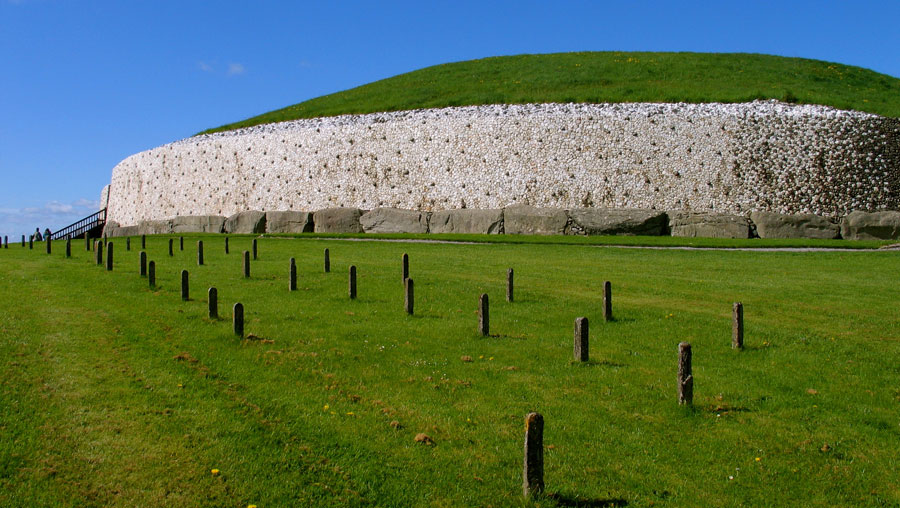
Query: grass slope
[[598, 77], [113, 394]]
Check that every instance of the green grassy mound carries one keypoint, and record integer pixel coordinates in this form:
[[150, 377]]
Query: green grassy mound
[[116, 394], [598, 77]]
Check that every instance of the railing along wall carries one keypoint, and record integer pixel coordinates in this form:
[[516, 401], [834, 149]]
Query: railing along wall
[[82, 226]]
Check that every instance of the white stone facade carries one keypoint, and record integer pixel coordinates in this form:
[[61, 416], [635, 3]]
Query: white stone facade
[[733, 158]]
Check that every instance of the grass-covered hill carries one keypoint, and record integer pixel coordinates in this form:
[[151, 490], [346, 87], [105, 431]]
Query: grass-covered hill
[[597, 77]]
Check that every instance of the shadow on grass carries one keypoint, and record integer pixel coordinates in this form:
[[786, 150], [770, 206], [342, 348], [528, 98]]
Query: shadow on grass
[[596, 363], [580, 502]]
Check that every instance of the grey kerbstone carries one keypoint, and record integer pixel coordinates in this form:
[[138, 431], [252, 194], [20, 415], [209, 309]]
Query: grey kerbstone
[[289, 222], [248, 222], [198, 224], [806, 225], [337, 220], [112, 229], [154, 227], [871, 226], [394, 220], [709, 225], [528, 220], [482, 222], [612, 221]]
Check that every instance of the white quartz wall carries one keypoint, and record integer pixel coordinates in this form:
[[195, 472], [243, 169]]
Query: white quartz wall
[[736, 158]]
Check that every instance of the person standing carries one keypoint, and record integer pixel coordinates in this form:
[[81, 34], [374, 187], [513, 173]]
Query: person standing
[[37, 235], [47, 233]]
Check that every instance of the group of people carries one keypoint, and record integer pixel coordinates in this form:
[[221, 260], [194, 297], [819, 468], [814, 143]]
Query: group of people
[[37, 234]]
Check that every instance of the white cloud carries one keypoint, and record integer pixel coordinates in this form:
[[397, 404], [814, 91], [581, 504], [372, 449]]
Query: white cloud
[[235, 69], [55, 215], [205, 67]]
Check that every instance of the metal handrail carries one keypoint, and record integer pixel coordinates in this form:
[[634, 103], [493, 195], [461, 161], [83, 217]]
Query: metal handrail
[[82, 226]]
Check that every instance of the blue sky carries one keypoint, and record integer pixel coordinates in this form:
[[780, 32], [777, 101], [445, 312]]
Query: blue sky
[[84, 84]]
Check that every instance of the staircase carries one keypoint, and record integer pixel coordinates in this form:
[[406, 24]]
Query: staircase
[[92, 225]]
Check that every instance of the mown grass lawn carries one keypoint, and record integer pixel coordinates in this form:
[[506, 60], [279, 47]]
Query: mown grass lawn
[[115, 394]]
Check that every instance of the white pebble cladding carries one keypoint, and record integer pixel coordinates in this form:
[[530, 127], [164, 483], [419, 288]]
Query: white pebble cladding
[[735, 158]]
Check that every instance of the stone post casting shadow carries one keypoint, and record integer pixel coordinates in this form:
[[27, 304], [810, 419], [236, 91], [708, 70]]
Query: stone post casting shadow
[[581, 339], [607, 301], [408, 298], [293, 275], [352, 288], [405, 262], [185, 289], [737, 326], [151, 274], [109, 256], [246, 264], [238, 319], [533, 470], [213, 295], [685, 378], [484, 319]]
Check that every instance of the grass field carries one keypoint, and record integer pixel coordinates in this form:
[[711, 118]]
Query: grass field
[[115, 394], [598, 77]]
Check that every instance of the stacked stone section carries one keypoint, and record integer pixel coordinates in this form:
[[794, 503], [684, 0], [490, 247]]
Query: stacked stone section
[[524, 219], [711, 158]]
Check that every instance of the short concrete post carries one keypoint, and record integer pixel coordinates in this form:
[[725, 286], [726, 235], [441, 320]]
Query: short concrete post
[[181, 243], [185, 289], [737, 326], [246, 264], [327, 261], [293, 275], [143, 263], [255, 251], [48, 244], [171, 249], [143, 241], [226, 245], [484, 319], [581, 339], [352, 282], [68, 247], [151, 274], [31, 242], [408, 299], [607, 301], [128, 243], [213, 295], [533, 470], [98, 250], [405, 262], [238, 319], [200, 252], [109, 256], [685, 378], [509, 285]]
